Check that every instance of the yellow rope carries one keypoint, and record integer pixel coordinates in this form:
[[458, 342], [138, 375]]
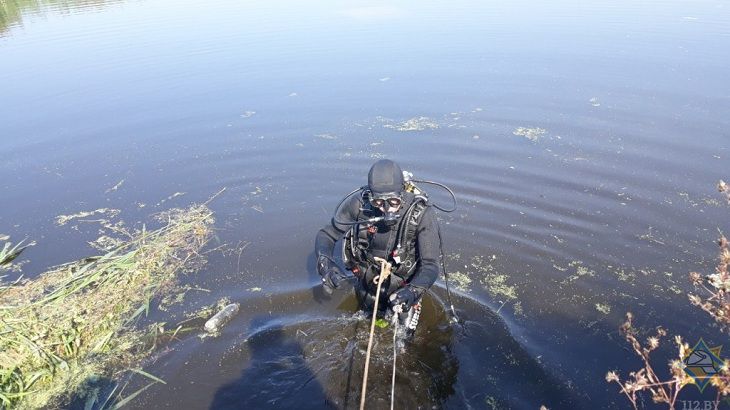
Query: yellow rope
[[384, 273]]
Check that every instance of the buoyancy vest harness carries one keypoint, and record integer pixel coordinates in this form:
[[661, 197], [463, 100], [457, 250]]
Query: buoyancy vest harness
[[402, 252]]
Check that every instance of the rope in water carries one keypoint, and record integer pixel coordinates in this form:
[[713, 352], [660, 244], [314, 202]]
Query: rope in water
[[384, 273], [396, 311]]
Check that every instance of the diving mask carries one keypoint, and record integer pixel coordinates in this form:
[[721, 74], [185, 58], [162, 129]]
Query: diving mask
[[388, 204], [392, 202]]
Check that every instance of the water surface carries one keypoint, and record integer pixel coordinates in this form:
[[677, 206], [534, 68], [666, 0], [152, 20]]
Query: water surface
[[601, 204]]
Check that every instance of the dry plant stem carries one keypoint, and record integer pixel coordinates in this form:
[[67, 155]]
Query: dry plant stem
[[715, 300], [646, 378]]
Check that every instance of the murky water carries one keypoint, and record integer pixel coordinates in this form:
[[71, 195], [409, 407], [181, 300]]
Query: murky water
[[583, 141]]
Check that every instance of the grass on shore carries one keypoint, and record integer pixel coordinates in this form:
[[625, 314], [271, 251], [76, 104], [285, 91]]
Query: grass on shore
[[75, 324]]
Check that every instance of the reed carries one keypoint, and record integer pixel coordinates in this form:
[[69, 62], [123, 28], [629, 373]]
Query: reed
[[76, 323]]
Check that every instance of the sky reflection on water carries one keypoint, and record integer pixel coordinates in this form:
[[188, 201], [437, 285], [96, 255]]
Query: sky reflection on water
[[288, 104]]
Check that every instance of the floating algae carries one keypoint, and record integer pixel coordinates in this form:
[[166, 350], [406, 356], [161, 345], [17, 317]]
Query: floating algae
[[497, 286], [494, 282], [75, 323], [414, 124], [580, 271], [105, 243], [532, 134], [460, 280], [603, 308], [64, 219], [115, 187], [171, 197]]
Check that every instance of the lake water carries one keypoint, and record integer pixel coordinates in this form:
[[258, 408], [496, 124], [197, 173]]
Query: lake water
[[583, 140]]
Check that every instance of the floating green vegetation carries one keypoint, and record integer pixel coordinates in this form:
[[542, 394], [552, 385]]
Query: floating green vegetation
[[603, 308], [497, 286], [705, 200], [414, 124], [460, 280], [495, 283], [64, 219], [623, 275], [517, 306], [75, 324], [481, 265], [651, 236], [580, 272], [492, 402], [532, 134], [482, 270]]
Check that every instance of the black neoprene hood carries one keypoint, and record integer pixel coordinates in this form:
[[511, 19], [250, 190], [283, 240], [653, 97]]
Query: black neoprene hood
[[385, 176]]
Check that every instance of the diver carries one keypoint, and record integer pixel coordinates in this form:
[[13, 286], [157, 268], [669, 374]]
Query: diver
[[389, 218]]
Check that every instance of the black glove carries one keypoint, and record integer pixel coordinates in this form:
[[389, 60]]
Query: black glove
[[331, 274], [405, 297]]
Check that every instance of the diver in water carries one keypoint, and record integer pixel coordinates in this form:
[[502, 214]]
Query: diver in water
[[390, 218]]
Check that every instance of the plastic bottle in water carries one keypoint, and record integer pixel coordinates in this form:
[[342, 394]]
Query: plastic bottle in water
[[221, 318]]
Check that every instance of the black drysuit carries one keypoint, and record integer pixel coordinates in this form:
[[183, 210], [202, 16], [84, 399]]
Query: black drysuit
[[381, 243]]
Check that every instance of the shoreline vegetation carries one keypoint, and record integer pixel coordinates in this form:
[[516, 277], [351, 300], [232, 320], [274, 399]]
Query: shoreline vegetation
[[713, 297], [75, 325]]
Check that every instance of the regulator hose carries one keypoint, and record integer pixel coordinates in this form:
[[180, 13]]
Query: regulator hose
[[453, 196]]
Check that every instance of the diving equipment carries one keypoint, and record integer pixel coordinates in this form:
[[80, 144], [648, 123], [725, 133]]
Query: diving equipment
[[373, 226], [331, 273], [385, 176], [405, 297]]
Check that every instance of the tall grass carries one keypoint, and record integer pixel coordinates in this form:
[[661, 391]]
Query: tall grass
[[75, 323]]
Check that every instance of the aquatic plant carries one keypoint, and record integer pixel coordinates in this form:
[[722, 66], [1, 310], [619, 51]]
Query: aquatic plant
[[532, 134], [715, 300], [75, 324]]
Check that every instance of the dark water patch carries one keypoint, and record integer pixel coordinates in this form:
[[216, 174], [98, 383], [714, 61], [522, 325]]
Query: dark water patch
[[284, 360]]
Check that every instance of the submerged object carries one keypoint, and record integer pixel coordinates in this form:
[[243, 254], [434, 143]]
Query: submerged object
[[221, 318]]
